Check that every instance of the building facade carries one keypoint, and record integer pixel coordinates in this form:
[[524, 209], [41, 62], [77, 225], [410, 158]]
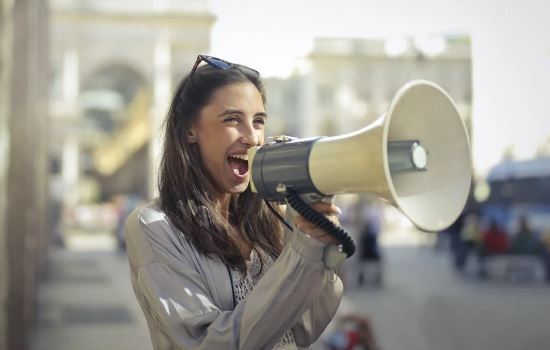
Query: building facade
[[84, 86], [114, 66], [345, 84]]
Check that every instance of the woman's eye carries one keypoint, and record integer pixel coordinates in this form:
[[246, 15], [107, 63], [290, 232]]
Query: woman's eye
[[231, 120], [259, 121]]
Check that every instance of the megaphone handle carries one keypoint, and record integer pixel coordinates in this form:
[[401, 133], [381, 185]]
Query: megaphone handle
[[304, 209]]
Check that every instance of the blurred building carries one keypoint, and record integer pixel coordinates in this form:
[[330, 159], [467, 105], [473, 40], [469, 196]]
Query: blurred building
[[114, 65], [345, 84], [515, 189], [84, 86]]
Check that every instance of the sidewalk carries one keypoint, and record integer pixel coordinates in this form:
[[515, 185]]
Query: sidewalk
[[86, 303], [425, 305]]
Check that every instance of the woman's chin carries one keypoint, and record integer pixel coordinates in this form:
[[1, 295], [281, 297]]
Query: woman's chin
[[240, 188], [234, 185]]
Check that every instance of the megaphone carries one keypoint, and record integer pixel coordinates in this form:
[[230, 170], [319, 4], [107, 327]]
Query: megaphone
[[415, 157]]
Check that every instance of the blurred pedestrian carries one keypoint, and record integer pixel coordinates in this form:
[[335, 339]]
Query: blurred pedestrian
[[494, 242], [370, 257], [353, 332], [454, 232], [524, 241], [468, 238], [545, 239], [57, 190], [208, 262]]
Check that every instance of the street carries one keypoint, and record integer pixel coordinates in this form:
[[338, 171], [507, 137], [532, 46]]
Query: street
[[87, 303], [425, 305]]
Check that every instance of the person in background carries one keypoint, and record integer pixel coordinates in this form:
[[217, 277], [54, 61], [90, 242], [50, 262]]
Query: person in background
[[455, 241], [524, 241], [464, 232], [353, 332], [370, 256], [57, 189], [494, 241], [545, 239]]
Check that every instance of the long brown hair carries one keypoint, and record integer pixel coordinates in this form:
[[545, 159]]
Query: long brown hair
[[184, 183]]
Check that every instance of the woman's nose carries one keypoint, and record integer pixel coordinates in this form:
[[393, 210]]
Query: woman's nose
[[250, 136]]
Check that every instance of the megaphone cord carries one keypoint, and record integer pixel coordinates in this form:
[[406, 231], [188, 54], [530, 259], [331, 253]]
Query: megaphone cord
[[338, 232], [276, 213]]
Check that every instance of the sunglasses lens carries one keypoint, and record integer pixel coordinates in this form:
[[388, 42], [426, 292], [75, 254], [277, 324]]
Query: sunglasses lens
[[247, 69], [218, 63], [222, 64]]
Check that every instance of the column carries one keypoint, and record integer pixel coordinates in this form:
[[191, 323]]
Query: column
[[6, 35], [162, 91]]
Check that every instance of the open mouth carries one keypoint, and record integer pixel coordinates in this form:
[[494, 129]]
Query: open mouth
[[238, 163]]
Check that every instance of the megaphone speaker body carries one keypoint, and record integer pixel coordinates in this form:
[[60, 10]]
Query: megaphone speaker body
[[420, 113]]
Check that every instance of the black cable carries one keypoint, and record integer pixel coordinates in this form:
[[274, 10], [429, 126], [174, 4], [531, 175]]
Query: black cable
[[278, 215], [338, 232]]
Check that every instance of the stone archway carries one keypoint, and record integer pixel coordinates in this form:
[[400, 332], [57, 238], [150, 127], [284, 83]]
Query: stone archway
[[106, 93], [115, 104]]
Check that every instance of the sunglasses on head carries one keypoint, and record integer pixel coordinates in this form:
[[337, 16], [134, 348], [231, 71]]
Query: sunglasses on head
[[221, 64]]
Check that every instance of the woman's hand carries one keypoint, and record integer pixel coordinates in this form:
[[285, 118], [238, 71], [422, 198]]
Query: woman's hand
[[330, 211]]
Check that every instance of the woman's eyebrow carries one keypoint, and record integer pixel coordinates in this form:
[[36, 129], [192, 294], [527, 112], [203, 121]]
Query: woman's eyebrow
[[261, 114], [230, 111], [239, 112]]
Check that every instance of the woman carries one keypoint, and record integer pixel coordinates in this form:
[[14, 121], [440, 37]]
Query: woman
[[209, 263]]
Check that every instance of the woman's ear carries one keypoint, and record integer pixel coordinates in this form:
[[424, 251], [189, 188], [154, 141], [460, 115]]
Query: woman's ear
[[191, 136]]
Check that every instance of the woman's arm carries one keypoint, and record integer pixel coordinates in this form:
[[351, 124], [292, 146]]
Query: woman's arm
[[315, 320], [177, 299]]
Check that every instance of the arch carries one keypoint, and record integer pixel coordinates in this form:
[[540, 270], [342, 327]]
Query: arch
[[107, 92]]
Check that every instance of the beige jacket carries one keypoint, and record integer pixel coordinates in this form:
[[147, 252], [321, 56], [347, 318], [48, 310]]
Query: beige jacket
[[187, 298]]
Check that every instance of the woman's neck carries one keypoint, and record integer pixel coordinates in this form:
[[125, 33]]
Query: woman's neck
[[223, 201]]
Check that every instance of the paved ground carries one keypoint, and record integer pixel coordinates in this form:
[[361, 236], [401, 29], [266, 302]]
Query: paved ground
[[425, 306], [87, 303]]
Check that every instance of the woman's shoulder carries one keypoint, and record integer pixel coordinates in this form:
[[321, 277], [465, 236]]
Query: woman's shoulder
[[151, 237], [146, 219]]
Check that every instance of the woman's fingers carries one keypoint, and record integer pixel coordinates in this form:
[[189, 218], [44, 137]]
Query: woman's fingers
[[326, 208], [302, 223], [330, 211]]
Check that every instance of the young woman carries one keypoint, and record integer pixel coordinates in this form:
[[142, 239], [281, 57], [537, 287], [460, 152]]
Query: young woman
[[210, 264]]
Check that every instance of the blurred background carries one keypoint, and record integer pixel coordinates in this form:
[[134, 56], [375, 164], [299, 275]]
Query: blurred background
[[85, 85]]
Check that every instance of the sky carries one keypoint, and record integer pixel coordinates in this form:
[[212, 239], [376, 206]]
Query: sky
[[272, 34], [510, 52]]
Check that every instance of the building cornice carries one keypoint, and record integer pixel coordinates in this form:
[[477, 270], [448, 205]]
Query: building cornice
[[172, 19]]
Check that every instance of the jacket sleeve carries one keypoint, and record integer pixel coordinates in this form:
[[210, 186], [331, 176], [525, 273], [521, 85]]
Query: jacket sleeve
[[315, 320], [297, 291]]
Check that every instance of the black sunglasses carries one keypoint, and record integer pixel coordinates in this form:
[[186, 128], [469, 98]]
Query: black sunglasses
[[221, 64]]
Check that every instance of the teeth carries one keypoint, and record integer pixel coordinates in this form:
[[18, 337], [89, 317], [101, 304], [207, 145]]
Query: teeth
[[240, 156]]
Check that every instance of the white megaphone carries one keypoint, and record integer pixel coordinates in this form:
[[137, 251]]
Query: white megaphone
[[416, 157]]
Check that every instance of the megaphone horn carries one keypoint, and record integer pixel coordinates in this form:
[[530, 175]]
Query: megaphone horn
[[416, 157]]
